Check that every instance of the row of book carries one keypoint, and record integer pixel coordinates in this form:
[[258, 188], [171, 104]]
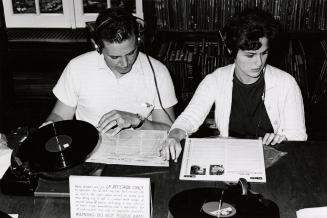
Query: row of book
[[320, 90], [210, 15], [190, 62], [296, 65]]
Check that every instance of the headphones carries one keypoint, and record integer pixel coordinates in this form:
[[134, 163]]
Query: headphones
[[229, 51], [95, 29]]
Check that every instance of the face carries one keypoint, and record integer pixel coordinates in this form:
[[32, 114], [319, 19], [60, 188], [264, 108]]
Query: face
[[120, 57], [249, 63]]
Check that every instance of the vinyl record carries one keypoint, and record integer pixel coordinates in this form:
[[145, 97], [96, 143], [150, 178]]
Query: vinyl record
[[58, 146], [196, 203]]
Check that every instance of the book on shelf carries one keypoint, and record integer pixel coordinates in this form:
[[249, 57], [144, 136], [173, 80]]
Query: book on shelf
[[297, 15]]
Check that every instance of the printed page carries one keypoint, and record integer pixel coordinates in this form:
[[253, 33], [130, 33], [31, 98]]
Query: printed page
[[93, 196], [130, 147], [218, 159]]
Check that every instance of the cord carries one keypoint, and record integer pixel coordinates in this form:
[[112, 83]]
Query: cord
[[156, 84]]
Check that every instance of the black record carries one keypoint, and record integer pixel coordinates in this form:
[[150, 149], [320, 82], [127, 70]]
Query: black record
[[190, 203], [58, 146]]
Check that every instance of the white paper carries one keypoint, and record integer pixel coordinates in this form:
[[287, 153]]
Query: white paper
[[130, 147], [5, 155], [93, 196], [220, 159], [315, 212]]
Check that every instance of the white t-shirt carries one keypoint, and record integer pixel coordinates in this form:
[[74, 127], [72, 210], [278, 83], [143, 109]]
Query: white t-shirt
[[88, 84]]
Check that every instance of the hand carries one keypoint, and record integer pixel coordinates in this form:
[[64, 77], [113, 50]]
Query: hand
[[3, 140], [117, 120], [170, 147], [273, 139]]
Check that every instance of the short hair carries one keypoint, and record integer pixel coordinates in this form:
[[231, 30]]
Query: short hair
[[244, 30], [115, 25]]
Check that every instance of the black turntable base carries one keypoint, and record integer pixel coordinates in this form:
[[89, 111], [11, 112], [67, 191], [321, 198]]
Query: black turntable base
[[192, 203]]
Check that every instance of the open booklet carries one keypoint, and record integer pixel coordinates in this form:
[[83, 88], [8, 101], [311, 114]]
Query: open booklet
[[130, 147], [221, 159]]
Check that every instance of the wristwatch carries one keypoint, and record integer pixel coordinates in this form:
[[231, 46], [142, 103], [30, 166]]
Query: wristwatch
[[141, 119]]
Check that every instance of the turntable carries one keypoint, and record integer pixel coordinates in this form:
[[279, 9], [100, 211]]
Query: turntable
[[42, 163], [237, 201]]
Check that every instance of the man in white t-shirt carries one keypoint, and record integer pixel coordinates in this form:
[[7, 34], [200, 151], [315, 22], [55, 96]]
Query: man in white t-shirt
[[115, 87]]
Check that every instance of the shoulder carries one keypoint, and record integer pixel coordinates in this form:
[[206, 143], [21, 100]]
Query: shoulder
[[279, 77], [222, 74], [149, 64], [146, 59], [87, 59]]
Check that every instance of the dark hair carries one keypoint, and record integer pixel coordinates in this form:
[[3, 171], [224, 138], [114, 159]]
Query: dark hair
[[115, 25], [244, 30]]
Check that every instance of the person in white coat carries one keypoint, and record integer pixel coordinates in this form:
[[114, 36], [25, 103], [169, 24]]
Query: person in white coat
[[252, 99]]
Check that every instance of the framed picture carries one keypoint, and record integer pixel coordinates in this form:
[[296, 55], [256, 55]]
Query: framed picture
[[61, 13]]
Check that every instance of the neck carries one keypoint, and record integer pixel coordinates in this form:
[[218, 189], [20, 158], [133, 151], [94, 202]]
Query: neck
[[246, 80]]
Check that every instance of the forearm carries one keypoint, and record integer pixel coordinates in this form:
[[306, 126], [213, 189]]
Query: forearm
[[153, 125], [54, 117]]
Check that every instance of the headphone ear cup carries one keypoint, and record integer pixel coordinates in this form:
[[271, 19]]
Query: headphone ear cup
[[96, 44], [140, 30]]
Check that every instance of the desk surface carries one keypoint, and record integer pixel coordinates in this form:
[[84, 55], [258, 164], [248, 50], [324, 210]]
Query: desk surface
[[298, 180]]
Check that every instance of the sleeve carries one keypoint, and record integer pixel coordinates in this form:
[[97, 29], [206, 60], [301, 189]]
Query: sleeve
[[66, 88], [165, 87], [293, 117], [199, 107]]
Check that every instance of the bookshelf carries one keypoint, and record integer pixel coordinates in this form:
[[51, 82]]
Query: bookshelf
[[186, 39], [186, 25]]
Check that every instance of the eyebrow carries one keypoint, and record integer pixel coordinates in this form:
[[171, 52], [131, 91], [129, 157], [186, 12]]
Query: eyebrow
[[131, 52], [253, 52]]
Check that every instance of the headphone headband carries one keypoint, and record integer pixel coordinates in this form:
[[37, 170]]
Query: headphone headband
[[95, 28]]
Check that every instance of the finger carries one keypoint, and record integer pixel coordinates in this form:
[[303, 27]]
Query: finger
[[281, 139], [265, 138], [116, 131], [270, 138], [167, 155], [108, 126], [172, 151], [275, 139], [108, 117]]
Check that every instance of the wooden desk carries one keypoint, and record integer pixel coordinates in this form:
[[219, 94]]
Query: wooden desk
[[298, 180]]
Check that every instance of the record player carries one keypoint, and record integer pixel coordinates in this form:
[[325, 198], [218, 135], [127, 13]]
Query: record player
[[236, 201], [42, 163]]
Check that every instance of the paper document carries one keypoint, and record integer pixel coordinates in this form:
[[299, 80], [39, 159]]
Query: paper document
[[218, 159], [130, 147], [315, 212], [93, 196]]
